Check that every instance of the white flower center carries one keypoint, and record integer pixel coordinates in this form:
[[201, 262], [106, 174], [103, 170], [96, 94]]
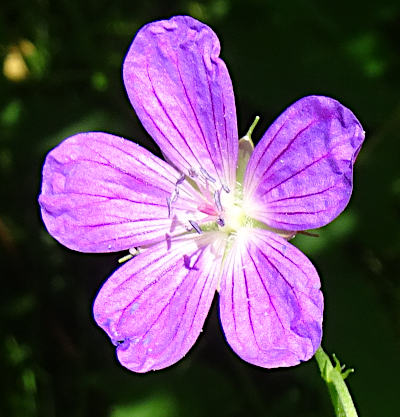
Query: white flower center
[[235, 217]]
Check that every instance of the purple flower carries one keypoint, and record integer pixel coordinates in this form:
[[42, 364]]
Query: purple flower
[[217, 216]]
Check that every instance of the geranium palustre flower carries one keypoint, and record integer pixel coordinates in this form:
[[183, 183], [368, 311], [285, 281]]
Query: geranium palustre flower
[[216, 216]]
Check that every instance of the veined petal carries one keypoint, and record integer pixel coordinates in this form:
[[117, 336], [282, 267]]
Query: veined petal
[[102, 193], [183, 95], [300, 175], [270, 302], [154, 307]]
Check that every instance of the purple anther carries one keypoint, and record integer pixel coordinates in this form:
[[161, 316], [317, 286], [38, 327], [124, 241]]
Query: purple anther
[[217, 199], [195, 226], [192, 173], [180, 179], [207, 176], [169, 205], [174, 195], [220, 222]]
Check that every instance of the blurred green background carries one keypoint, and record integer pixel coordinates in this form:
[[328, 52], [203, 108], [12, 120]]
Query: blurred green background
[[61, 74]]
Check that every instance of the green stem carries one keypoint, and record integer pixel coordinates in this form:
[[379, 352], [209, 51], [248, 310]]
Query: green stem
[[334, 377]]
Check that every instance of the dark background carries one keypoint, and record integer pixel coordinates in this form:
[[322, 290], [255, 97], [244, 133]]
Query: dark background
[[61, 74]]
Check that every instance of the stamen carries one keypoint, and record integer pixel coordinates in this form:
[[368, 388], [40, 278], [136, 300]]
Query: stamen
[[226, 188], [169, 205], [220, 222], [207, 176], [192, 173], [195, 227], [125, 258], [217, 199], [134, 251], [180, 180], [174, 195], [189, 262]]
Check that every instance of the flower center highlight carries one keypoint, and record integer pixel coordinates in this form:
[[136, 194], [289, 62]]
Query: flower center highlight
[[235, 218]]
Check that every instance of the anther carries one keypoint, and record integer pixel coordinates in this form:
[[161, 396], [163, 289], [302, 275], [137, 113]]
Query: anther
[[226, 188], [195, 226], [217, 199], [180, 179], [220, 222], [134, 251], [192, 173], [174, 195], [171, 199], [207, 175], [169, 205]]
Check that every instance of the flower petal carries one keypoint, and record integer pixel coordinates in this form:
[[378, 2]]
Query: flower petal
[[154, 307], [300, 175], [183, 95], [102, 193], [270, 302]]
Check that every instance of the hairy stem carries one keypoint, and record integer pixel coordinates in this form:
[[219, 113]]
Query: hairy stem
[[334, 377]]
